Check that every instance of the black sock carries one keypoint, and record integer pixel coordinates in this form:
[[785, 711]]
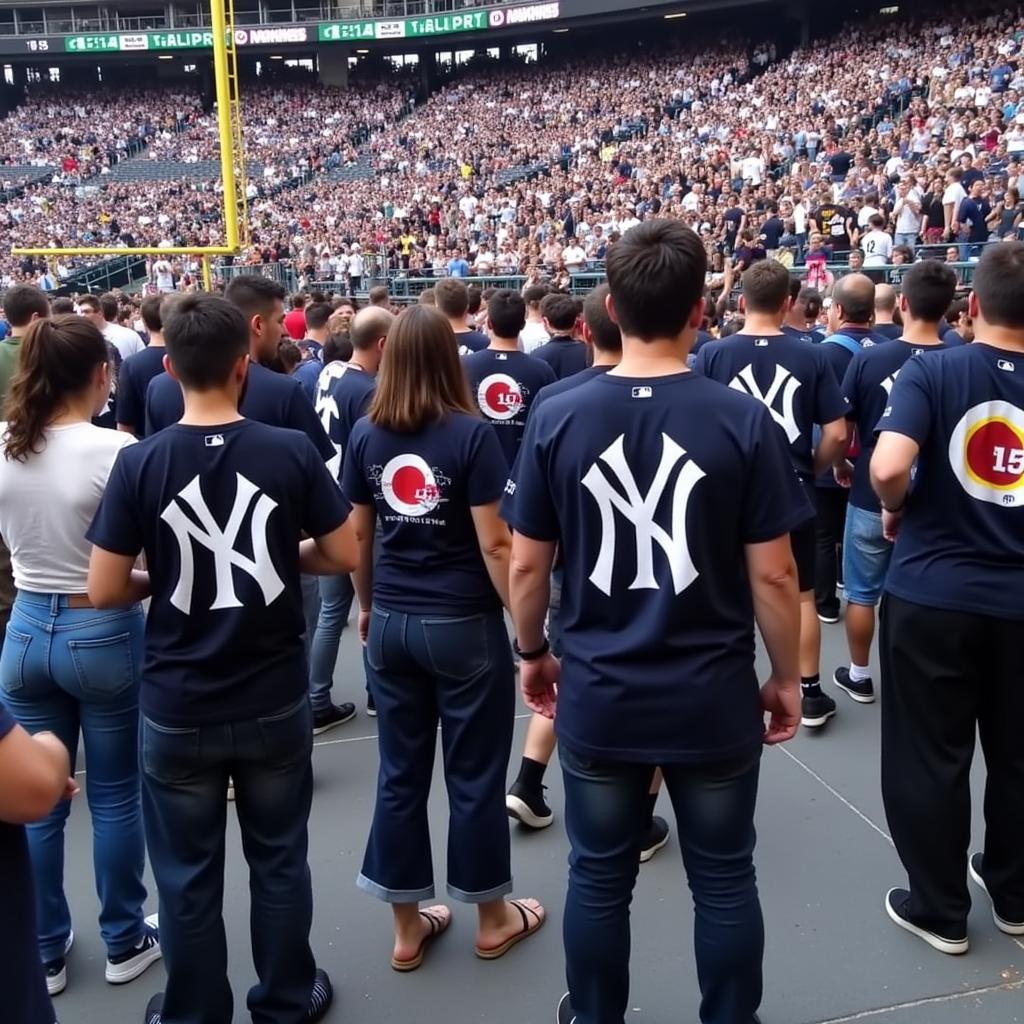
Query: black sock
[[652, 799], [531, 774], [810, 686]]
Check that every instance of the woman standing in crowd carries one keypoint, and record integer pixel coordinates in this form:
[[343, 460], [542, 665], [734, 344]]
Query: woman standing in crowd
[[432, 470], [66, 667]]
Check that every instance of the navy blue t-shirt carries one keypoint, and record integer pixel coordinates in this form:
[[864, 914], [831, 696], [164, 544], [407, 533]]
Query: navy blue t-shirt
[[219, 512], [422, 487], [888, 331], [564, 355], [270, 398], [788, 376], [504, 386], [133, 383], [952, 338], [567, 384], [961, 544], [652, 487], [343, 395], [21, 973], [867, 386], [811, 337], [307, 373], [471, 341]]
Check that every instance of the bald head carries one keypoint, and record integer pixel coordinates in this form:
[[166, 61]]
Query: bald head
[[369, 326], [885, 300], [854, 298]]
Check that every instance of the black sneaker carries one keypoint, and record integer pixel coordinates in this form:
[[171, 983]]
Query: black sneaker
[[153, 1009], [654, 838], [862, 691], [335, 715], [128, 966], [56, 971], [830, 616], [527, 806], [371, 708], [1007, 927], [564, 1014], [816, 710], [321, 997], [896, 901]]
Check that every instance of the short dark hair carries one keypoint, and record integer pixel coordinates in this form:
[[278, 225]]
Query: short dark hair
[[535, 293], [451, 297], [603, 329], [205, 335], [765, 287], [929, 288], [378, 295], [91, 301], [811, 301], [856, 294], [560, 310], [476, 297], [656, 273], [109, 305], [254, 295], [317, 315], [62, 305], [21, 301], [876, 220], [999, 285], [506, 311], [151, 312], [298, 300], [337, 347]]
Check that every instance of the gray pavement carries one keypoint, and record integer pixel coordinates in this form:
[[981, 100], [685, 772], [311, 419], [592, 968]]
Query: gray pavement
[[824, 862]]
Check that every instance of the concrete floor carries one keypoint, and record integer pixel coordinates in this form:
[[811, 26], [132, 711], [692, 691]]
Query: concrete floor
[[824, 862]]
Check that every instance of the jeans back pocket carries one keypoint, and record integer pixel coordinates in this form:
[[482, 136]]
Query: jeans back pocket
[[457, 647], [12, 660], [105, 667]]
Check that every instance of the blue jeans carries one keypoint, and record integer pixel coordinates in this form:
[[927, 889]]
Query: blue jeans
[[909, 239], [605, 810], [866, 556], [425, 669], [66, 670], [184, 778], [310, 609], [336, 594]]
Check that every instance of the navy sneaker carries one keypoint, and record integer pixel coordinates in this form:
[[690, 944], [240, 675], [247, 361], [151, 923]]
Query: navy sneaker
[[320, 998], [564, 1014], [153, 1008], [528, 807], [861, 690], [56, 970], [654, 838], [335, 715], [975, 866], [896, 901], [129, 965]]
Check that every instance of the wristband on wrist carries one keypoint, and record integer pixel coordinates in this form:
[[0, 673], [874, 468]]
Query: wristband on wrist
[[534, 655]]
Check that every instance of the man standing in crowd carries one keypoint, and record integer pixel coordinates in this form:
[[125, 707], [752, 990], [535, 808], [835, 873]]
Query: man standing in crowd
[[295, 318], [316, 333], [658, 609], [138, 370], [926, 292], [849, 323], [534, 334], [802, 314], [102, 313], [800, 391], [502, 380], [885, 312], [948, 470], [224, 691], [562, 352], [452, 297]]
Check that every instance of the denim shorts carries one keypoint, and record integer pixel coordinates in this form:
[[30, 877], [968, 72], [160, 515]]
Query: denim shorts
[[866, 555]]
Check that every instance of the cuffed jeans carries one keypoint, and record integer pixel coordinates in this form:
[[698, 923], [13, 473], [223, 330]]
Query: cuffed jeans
[[456, 670], [605, 810], [65, 670], [185, 777], [336, 594]]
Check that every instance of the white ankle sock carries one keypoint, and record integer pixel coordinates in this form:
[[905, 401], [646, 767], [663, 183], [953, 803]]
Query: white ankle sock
[[858, 673]]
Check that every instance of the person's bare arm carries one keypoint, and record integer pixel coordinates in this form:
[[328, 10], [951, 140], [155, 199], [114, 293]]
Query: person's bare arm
[[529, 592], [495, 541], [114, 582], [773, 584], [831, 445], [332, 554], [891, 465], [34, 774]]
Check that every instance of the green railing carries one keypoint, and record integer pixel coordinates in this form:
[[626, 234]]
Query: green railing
[[115, 272]]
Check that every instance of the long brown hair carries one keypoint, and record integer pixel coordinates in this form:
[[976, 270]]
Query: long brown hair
[[56, 361], [421, 378]]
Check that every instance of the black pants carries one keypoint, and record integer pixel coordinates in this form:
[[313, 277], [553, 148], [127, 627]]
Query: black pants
[[946, 675], [831, 503]]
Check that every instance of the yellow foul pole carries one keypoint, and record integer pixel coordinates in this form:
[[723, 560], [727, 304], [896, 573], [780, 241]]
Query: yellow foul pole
[[220, 74]]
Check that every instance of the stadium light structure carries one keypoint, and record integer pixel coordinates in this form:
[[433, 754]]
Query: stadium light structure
[[229, 127]]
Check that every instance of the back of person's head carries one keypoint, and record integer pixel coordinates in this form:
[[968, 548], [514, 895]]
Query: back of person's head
[[369, 326], [877, 221], [734, 326], [289, 355], [560, 311], [795, 287], [885, 298], [506, 313], [765, 287], [421, 378], [109, 305], [378, 295], [58, 361], [317, 315], [809, 299], [62, 305], [476, 297], [22, 303], [928, 288], [338, 347], [534, 295], [656, 274], [298, 300], [427, 297], [999, 286], [604, 331], [855, 295], [452, 297], [152, 313], [254, 295], [205, 337]]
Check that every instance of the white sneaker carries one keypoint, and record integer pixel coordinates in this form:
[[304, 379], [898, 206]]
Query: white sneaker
[[129, 965]]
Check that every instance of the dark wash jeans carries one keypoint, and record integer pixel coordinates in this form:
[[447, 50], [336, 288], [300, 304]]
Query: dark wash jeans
[[459, 671], [184, 784], [605, 808]]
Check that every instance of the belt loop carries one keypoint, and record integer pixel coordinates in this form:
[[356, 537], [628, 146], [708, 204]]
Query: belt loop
[[54, 604]]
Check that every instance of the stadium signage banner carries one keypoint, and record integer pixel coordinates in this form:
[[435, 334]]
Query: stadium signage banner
[[197, 39]]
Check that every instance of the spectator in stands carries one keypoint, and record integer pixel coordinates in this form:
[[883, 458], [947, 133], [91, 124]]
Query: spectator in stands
[[295, 318]]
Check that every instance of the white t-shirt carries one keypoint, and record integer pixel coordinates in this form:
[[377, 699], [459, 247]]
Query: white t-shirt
[[954, 194], [48, 501], [533, 335], [877, 247], [124, 339], [164, 275]]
